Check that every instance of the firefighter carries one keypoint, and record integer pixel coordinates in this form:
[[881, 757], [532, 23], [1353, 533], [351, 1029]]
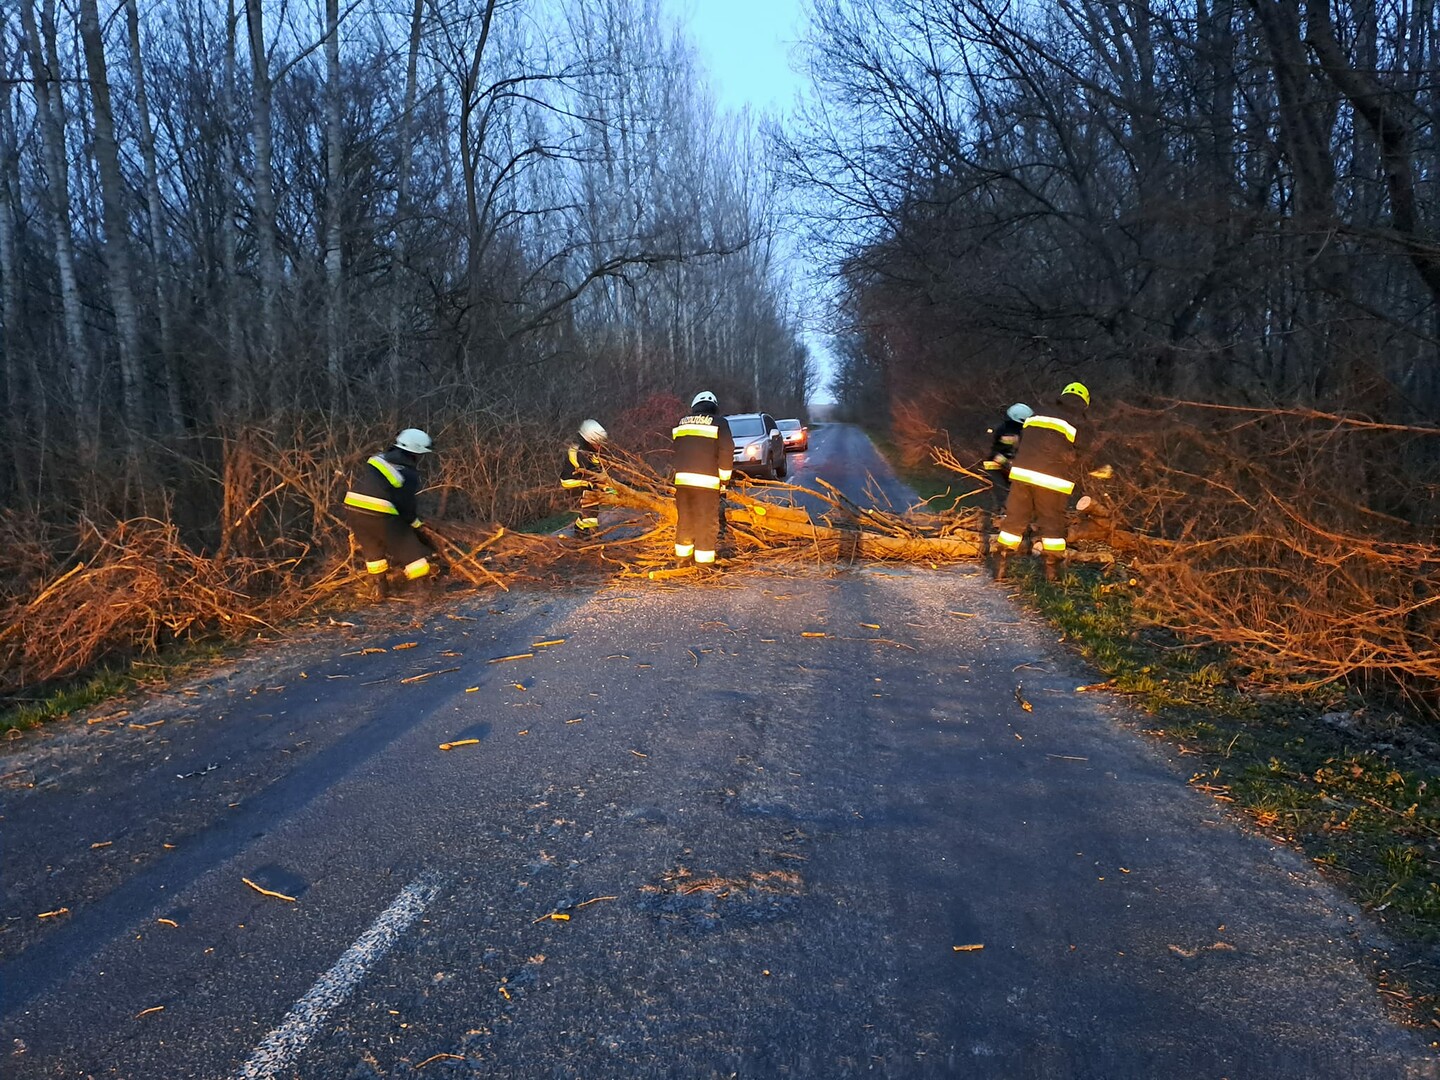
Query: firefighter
[[579, 459], [1004, 446], [1043, 475], [380, 510], [704, 456]]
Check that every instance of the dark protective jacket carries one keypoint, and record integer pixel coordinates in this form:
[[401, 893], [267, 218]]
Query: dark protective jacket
[[386, 484], [577, 457], [704, 451], [1003, 447], [1048, 457]]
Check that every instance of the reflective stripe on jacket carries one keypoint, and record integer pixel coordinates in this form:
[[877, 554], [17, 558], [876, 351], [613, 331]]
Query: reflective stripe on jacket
[[1047, 456], [704, 451], [1040, 479], [385, 484], [1004, 445], [578, 458]]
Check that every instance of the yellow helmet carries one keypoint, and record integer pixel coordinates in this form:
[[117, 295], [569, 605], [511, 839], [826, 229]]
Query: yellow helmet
[[1080, 390]]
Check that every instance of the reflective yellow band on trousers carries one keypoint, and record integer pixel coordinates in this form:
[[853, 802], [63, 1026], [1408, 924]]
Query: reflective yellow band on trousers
[[1009, 540], [697, 480], [725, 475], [417, 569], [704, 556], [705, 431], [370, 502], [1053, 423], [1052, 543], [683, 551], [378, 566], [1043, 480], [388, 471]]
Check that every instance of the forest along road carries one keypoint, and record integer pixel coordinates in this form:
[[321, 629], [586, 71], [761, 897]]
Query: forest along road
[[795, 823]]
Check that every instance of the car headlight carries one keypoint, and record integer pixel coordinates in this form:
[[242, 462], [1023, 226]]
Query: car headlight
[[753, 451]]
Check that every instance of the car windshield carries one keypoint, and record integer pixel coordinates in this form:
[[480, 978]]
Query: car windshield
[[789, 425], [746, 426]]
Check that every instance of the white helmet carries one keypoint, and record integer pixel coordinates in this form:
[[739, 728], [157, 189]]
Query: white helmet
[[592, 432], [704, 397], [414, 441], [1019, 412]]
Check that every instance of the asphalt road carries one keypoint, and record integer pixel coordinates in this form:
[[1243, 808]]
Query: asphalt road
[[842, 455], [800, 822]]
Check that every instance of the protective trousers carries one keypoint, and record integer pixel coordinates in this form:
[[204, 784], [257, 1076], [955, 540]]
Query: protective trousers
[[383, 537], [588, 510], [1044, 507], [697, 522]]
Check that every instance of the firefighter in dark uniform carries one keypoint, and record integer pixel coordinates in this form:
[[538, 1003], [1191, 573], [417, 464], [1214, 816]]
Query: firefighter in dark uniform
[[580, 458], [704, 457], [1042, 478], [1003, 447], [380, 510]]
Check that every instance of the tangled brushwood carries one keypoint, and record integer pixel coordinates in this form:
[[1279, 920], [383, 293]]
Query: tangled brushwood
[[1303, 543], [279, 548]]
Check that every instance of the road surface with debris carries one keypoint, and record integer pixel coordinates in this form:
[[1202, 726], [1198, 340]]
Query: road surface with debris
[[803, 823]]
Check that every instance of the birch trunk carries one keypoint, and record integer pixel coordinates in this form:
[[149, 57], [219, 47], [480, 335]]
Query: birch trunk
[[334, 270], [50, 113], [117, 236], [265, 238], [229, 240], [402, 198], [155, 209], [10, 304]]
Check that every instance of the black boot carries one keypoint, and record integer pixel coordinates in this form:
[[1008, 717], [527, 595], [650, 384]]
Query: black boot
[[1052, 567], [1002, 559]]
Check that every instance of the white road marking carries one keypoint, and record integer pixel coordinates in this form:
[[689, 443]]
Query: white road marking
[[282, 1046]]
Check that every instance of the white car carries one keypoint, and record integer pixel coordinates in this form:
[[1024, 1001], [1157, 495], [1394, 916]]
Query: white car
[[759, 447]]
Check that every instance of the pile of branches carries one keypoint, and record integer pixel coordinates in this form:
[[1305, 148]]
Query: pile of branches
[[136, 583], [249, 533], [1303, 542], [280, 546], [773, 520]]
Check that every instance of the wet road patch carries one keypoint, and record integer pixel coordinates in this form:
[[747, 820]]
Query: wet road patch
[[704, 901]]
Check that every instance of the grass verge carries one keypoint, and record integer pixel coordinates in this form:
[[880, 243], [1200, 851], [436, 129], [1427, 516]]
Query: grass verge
[[935, 486], [60, 700], [1352, 786]]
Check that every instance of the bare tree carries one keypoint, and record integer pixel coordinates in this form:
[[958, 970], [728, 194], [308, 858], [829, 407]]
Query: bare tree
[[263, 185], [155, 210], [50, 112]]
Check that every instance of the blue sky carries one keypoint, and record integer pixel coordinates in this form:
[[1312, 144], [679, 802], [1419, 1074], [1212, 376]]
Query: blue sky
[[747, 46]]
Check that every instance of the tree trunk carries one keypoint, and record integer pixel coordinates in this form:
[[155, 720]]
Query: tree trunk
[[50, 112], [239, 395], [334, 269], [117, 235], [266, 242], [399, 273], [155, 209], [10, 304]]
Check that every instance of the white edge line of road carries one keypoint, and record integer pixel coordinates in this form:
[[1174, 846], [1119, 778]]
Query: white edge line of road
[[278, 1050]]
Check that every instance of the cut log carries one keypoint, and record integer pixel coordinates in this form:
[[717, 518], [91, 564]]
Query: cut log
[[852, 543]]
